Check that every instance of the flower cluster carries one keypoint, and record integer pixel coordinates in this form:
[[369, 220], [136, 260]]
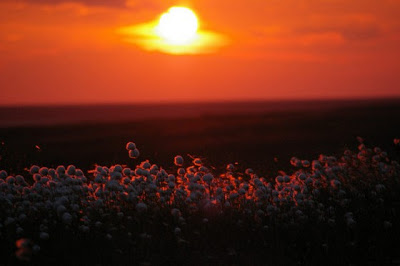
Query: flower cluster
[[115, 200]]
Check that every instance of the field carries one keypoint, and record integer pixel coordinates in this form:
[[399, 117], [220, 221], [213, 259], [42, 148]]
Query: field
[[240, 197]]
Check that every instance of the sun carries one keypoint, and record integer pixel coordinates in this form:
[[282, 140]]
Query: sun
[[177, 31], [178, 26]]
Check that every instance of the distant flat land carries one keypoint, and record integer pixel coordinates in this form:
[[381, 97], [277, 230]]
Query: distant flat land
[[252, 134]]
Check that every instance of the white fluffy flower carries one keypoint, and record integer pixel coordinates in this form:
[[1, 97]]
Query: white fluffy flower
[[19, 230], [387, 224], [134, 153], [71, 169], [141, 207], [177, 231], [208, 178], [43, 171], [176, 212], [197, 162], [34, 169], [286, 179], [181, 171], [36, 248], [305, 163], [279, 179], [249, 171], [79, 172], [60, 169], [127, 171], [8, 221], [117, 168], [145, 165], [67, 218], [130, 146], [178, 160], [3, 174], [10, 180], [44, 235], [230, 167], [171, 185], [295, 162]]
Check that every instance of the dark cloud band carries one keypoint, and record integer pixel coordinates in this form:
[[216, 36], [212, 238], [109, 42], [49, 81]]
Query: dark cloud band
[[109, 3]]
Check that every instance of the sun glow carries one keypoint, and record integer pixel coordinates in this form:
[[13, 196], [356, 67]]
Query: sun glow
[[176, 31], [178, 26]]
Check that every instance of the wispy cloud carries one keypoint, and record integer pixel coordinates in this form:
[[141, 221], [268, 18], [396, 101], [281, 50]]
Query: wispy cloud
[[109, 3]]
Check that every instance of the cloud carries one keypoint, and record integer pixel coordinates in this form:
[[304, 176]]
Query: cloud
[[110, 3], [121, 4], [145, 36], [349, 32], [361, 32]]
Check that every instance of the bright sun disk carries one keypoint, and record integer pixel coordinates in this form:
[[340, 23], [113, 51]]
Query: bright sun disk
[[178, 26]]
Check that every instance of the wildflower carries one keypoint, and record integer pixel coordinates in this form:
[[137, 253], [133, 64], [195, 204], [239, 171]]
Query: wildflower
[[44, 235], [177, 231], [134, 153], [24, 251], [350, 222], [387, 224], [175, 212], [295, 162], [380, 188], [36, 248], [71, 169], [67, 218], [127, 171], [279, 179], [145, 165], [249, 171], [117, 168], [171, 185], [79, 173], [208, 178], [178, 160], [335, 183], [130, 146], [396, 142], [10, 180], [43, 171], [8, 221], [3, 174], [60, 169], [286, 179], [34, 169], [19, 230], [181, 171], [141, 207], [197, 162], [230, 167]]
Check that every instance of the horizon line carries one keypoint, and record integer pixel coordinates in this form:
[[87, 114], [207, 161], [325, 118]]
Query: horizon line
[[200, 102]]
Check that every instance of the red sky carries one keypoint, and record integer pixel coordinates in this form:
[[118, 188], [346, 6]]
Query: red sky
[[61, 52]]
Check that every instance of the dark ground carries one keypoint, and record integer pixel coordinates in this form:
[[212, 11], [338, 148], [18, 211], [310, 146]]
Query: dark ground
[[252, 139]]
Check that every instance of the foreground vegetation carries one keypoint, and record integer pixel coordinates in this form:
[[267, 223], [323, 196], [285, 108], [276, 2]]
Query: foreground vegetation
[[329, 210]]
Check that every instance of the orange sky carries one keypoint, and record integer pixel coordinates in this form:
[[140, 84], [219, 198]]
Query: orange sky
[[61, 52]]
